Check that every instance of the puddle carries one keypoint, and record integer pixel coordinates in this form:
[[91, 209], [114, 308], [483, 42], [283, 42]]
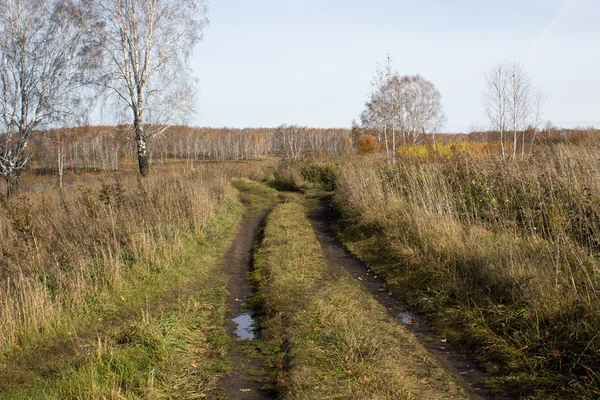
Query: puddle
[[245, 327], [408, 318]]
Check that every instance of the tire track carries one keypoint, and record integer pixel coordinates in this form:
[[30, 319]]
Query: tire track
[[467, 372], [242, 382]]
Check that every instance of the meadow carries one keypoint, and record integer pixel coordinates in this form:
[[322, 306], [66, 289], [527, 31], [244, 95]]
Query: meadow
[[113, 286], [116, 283], [502, 255]]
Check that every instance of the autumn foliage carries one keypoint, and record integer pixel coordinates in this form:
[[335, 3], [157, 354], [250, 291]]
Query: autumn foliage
[[367, 144]]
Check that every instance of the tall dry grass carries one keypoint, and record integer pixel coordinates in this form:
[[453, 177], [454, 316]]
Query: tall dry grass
[[63, 251], [505, 253]]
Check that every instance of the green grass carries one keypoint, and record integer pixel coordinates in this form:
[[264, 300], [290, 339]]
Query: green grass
[[328, 336], [162, 336], [254, 195]]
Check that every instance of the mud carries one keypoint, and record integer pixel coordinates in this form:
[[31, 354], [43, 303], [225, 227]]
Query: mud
[[241, 383]]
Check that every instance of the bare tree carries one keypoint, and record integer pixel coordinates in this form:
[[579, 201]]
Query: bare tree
[[377, 112], [495, 100], [292, 140], [423, 112], [539, 100], [146, 45], [41, 64], [397, 101], [519, 105], [410, 104], [510, 97]]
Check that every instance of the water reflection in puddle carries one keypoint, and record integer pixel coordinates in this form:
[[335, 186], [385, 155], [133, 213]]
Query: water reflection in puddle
[[245, 327], [408, 318]]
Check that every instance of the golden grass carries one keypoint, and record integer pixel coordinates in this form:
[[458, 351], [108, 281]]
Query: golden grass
[[112, 286], [476, 150], [167, 339], [61, 249]]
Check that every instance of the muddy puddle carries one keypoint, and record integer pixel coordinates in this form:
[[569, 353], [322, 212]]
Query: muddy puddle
[[242, 382], [409, 318], [246, 327]]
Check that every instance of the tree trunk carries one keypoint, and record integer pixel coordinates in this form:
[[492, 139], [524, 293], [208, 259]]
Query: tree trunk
[[142, 146], [515, 143], [12, 185], [502, 142], [394, 142], [523, 144], [387, 148], [61, 162], [142, 153]]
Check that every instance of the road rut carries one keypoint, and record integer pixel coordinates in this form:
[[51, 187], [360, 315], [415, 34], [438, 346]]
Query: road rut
[[242, 382], [469, 375]]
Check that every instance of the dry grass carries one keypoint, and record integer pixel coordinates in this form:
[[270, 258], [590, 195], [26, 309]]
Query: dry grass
[[333, 339], [170, 343], [114, 287], [504, 253], [62, 251], [35, 180]]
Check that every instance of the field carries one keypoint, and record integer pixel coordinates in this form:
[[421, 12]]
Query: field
[[501, 255], [387, 253], [104, 287], [116, 287]]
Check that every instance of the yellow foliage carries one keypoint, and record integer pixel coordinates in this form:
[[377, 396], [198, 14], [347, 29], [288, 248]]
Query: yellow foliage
[[476, 150]]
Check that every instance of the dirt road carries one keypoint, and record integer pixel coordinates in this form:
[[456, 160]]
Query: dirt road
[[242, 383]]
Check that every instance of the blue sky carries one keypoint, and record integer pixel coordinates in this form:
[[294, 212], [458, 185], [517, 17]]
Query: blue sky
[[268, 62]]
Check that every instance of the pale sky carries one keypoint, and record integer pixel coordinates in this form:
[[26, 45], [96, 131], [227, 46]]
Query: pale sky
[[310, 62]]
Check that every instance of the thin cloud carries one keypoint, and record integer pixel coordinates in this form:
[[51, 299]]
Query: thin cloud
[[563, 10]]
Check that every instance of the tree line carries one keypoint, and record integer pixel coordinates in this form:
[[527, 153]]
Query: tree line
[[106, 148]]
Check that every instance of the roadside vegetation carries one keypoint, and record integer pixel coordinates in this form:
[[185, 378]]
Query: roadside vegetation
[[115, 289], [502, 255], [326, 334]]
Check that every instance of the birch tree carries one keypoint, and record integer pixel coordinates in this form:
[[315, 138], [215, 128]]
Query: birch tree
[[511, 101], [378, 108], [539, 100], [145, 47], [292, 140], [423, 112], [519, 94], [495, 101], [42, 52], [409, 104], [396, 108]]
